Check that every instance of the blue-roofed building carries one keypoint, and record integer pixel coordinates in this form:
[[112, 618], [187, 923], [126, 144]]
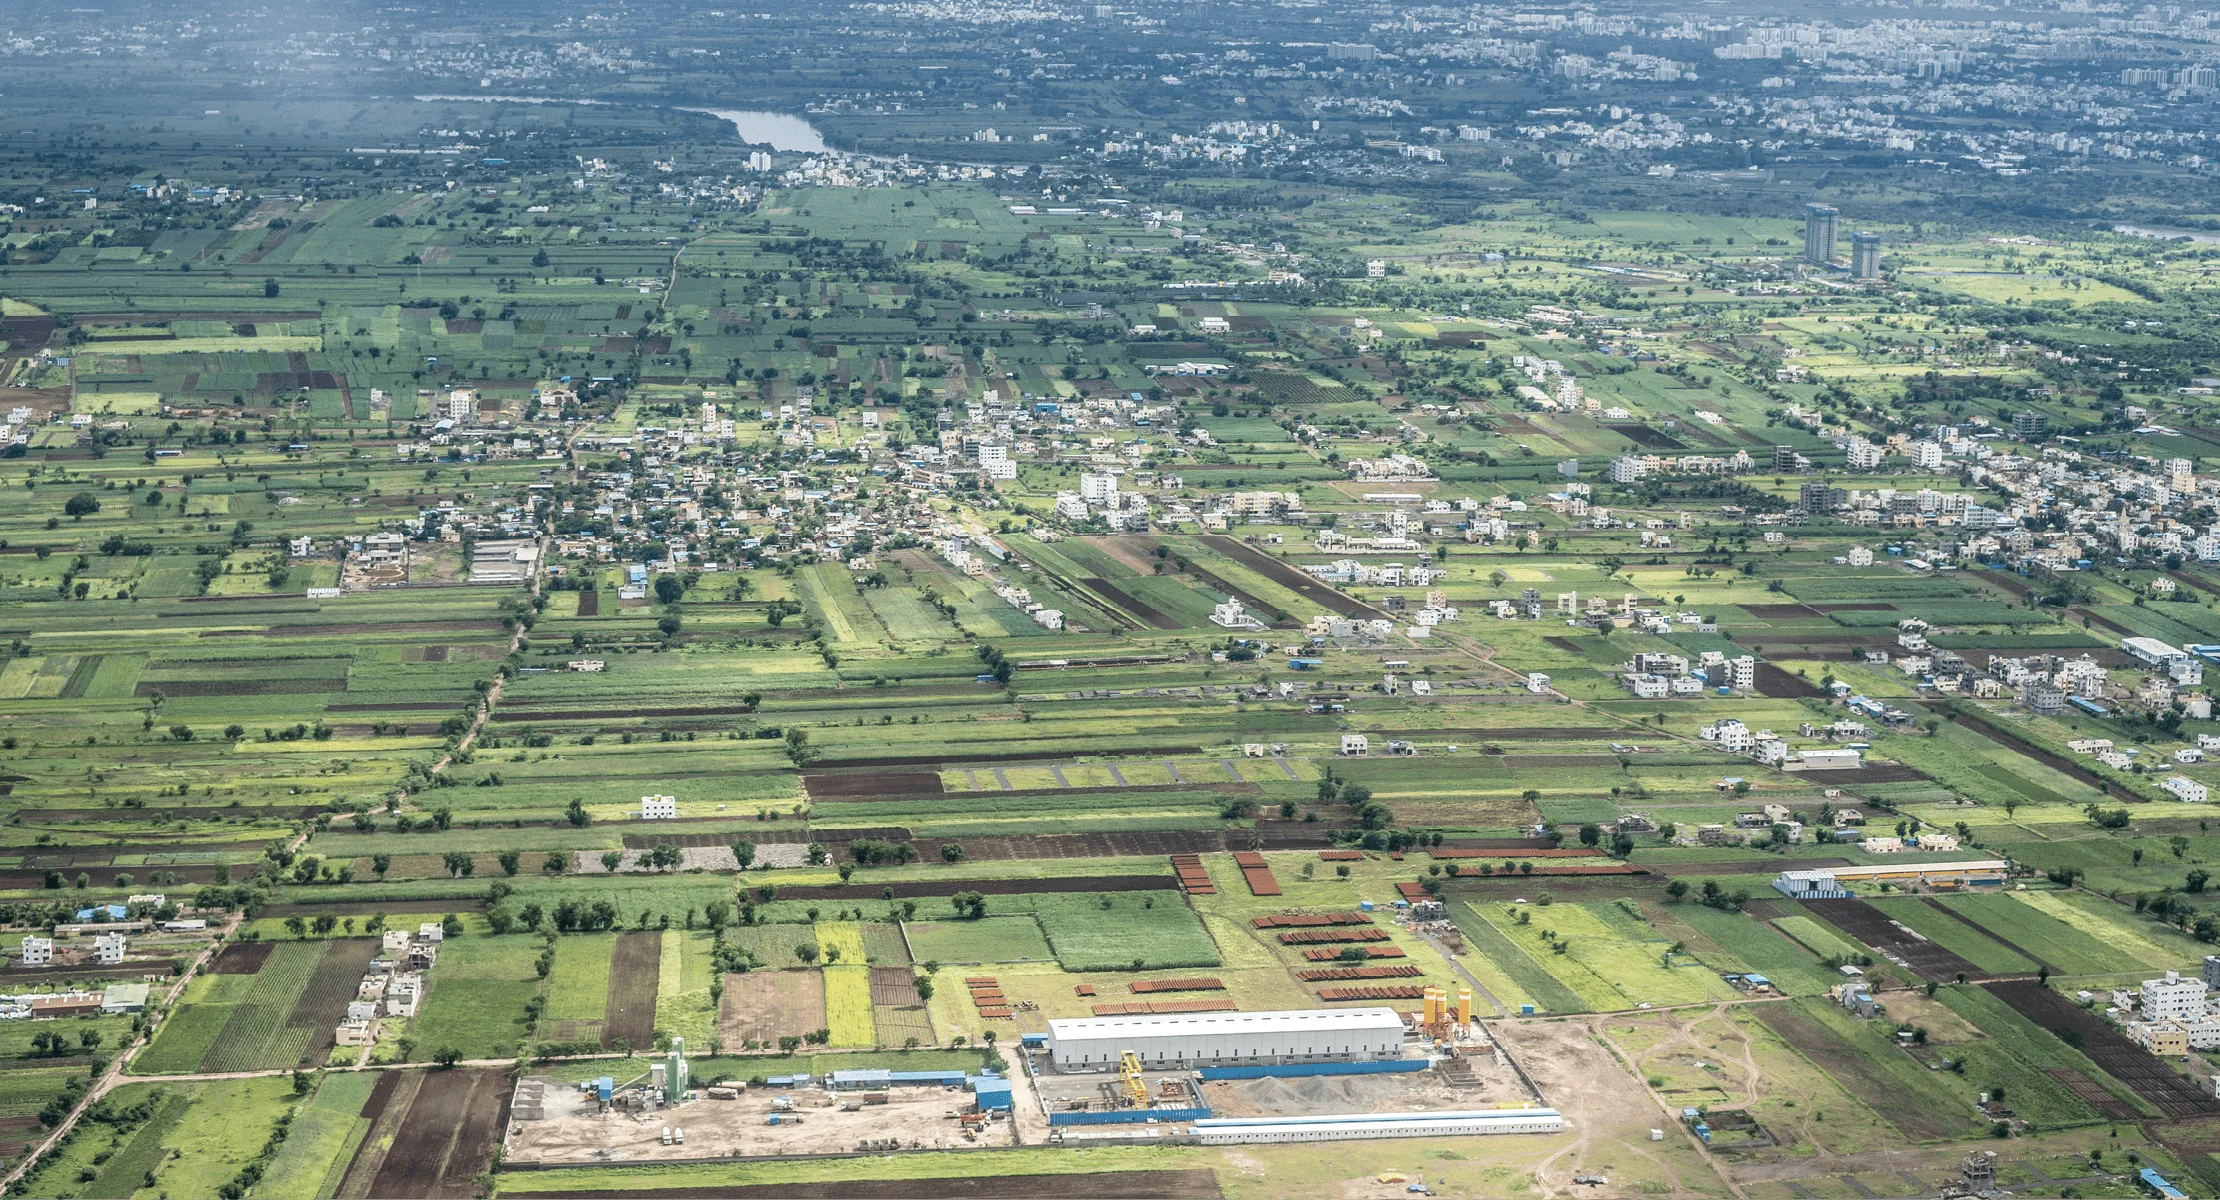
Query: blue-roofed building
[[2157, 1183], [992, 1092], [103, 912]]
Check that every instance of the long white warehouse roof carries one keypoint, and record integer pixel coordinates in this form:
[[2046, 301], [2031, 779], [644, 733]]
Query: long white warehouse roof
[[1309, 1020]]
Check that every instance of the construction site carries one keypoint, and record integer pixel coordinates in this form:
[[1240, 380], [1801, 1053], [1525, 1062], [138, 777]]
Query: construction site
[[1309, 1075], [1200, 1078], [661, 1116]]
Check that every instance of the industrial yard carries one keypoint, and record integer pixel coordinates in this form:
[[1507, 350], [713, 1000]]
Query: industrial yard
[[576, 1128]]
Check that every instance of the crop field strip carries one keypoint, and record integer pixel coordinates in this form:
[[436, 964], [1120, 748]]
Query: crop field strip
[[1863, 923], [633, 974], [2155, 1081], [1101, 799], [1171, 1184]]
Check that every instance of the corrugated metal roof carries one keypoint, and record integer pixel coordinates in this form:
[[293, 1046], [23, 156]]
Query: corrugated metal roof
[[1299, 1020]]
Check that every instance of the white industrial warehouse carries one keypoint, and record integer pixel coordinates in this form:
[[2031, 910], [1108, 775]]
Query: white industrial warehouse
[[1227, 1039], [1364, 1126]]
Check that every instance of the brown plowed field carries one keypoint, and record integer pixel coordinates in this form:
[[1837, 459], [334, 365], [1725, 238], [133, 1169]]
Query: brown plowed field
[[894, 986], [1120, 598], [1103, 845], [1777, 684], [765, 1006], [589, 604], [821, 786], [1290, 578], [1193, 1184], [781, 834], [330, 986], [1869, 925], [242, 958], [924, 760], [914, 889], [525, 712], [633, 974], [241, 687], [387, 1107], [1886, 772], [447, 1138], [2152, 1078]]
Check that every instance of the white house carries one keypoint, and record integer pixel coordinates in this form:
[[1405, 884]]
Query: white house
[[403, 995], [658, 808], [37, 951], [1356, 745], [2185, 788], [2173, 998], [108, 948], [1230, 616]]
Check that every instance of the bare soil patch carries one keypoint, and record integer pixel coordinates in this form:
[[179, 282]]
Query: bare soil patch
[[1870, 925], [330, 986], [242, 958], [633, 972], [922, 888], [1778, 684], [825, 786], [447, 1138], [894, 986], [765, 1006]]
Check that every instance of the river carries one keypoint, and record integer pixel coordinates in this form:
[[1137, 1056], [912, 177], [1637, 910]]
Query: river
[[2161, 231], [780, 131]]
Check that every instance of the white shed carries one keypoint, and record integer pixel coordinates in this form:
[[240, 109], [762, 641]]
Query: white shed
[[1207, 1039]]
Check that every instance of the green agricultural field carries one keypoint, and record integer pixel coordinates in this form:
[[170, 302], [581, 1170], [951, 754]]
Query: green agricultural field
[[474, 999], [1817, 938], [988, 940], [1954, 935], [1138, 931], [258, 1021], [389, 530]]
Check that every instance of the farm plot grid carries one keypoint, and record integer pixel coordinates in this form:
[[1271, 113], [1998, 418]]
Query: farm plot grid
[[2152, 1078]]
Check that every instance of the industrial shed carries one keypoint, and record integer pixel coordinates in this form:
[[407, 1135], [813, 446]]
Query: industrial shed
[[1367, 1126], [1227, 1039]]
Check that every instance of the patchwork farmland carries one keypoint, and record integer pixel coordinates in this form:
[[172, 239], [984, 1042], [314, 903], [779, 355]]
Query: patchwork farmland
[[496, 596]]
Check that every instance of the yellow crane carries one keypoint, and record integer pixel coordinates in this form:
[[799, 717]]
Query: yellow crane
[[1129, 1074]]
